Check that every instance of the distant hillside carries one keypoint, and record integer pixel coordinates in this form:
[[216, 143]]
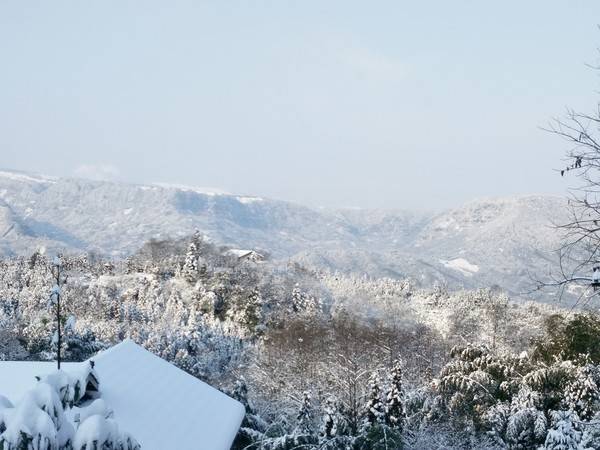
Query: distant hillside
[[117, 218], [484, 243], [500, 242]]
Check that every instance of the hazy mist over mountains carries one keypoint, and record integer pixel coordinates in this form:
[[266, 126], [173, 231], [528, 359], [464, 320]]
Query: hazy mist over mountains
[[483, 243]]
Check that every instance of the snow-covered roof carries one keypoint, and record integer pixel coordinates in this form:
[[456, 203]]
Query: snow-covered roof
[[160, 405], [245, 254]]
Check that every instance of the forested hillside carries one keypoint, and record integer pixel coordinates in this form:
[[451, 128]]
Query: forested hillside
[[323, 359], [502, 241]]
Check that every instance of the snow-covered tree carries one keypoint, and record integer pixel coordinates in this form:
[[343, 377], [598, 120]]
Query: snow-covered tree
[[526, 425], [394, 401], [333, 433], [590, 439], [193, 266], [305, 415], [564, 433], [55, 302], [583, 393], [374, 409], [303, 303]]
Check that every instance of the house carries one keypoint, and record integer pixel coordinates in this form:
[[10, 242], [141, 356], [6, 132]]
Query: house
[[161, 406], [246, 255]]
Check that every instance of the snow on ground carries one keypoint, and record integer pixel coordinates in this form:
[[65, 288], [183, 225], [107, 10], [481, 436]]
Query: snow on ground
[[245, 254], [248, 200], [18, 377], [198, 190], [16, 176], [446, 223], [461, 265], [160, 405], [238, 253]]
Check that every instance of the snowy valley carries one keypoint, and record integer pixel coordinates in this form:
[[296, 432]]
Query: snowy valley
[[333, 329]]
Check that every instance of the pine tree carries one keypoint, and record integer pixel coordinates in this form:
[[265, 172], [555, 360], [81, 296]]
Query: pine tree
[[297, 299], [374, 410], [249, 312], [333, 433], [82, 345], [375, 433], [330, 420], [192, 265], [304, 418], [394, 408], [253, 426], [304, 303]]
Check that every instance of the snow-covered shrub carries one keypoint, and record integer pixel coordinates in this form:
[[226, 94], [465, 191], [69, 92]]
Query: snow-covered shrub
[[97, 432], [564, 434], [583, 392], [45, 418], [37, 422], [72, 387]]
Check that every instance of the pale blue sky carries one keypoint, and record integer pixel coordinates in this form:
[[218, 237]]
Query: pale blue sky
[[329, 103]]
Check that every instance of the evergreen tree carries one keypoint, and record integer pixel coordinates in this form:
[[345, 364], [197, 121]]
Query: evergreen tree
[[192, 267], [374, 409], [333, 431], [247, 311], [304, 303], [590, 440], [82, 345], [394, 407], [564, 434], [375, 433], [304, 419], [583, 394], [253, 426], [330, 421], [570, 338]]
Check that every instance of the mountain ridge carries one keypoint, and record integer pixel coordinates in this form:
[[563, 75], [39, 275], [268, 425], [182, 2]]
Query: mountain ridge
[[489, 241]]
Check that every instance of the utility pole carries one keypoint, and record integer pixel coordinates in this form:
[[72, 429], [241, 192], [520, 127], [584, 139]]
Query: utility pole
[[55, 300]]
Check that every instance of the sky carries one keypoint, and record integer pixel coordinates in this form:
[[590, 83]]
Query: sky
[[383, 104]]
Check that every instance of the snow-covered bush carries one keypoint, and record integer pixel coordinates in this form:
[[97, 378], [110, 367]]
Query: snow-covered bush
[[564, 434], [46, 418], [99, 432]]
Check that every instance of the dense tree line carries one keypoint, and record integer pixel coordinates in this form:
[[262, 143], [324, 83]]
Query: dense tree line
[[325, 360]]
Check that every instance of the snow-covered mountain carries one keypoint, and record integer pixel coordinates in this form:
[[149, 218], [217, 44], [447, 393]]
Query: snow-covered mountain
[[486, 242], [117, 218]]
